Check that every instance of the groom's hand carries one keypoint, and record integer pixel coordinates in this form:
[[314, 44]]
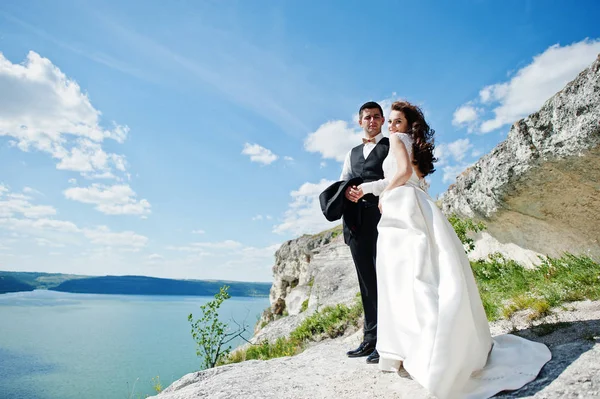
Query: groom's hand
[[354, 193]]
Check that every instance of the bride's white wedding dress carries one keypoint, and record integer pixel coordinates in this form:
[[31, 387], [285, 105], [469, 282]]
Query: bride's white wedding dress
[[430, 314]]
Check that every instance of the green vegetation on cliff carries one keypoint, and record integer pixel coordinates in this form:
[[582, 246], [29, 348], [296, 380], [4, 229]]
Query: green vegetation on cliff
[[330, 322], [506, 287]]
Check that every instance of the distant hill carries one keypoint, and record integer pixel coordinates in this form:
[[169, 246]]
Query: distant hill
[[140, 285], [11, 284], [124, 285], [41, 281]]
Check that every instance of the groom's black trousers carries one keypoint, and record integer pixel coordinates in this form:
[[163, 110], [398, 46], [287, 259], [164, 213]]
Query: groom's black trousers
[[363, 246]]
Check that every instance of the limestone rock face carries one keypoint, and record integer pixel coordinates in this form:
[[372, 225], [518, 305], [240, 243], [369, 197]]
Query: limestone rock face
[[539, 189], [310, 272], [291, 267]]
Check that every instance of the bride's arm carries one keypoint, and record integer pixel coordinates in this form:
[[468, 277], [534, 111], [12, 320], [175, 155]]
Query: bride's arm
[[404, 166], [375, 187]]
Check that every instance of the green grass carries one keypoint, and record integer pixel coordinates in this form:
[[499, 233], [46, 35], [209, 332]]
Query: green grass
[[330, 322], [334, 231], [304, 306], [506, 287]]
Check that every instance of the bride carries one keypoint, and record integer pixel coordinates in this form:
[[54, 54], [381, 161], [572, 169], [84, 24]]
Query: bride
[[431, 318]]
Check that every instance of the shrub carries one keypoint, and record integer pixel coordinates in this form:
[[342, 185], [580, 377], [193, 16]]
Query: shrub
[[211, 334], [462, 227]]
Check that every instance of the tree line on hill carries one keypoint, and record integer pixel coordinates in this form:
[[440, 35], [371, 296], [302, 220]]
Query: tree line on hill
[[124, 285]]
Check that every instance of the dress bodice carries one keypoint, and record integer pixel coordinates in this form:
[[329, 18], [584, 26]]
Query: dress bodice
[[390, 165]]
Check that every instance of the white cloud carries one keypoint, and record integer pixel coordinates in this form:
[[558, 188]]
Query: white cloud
[[451, 158], [155, 258], [42, 109], [31, 226], [29, 190], [12, 204], [242, 262], [333, 140], [103, 236], [288, 159], [441, 153], [450, 172], [454, 151], [459, 148], [111, 200], [259, 154], [304, 214], [258, 261], [44, 242], [227, 244], [530, 86], [466, 115], [19, 216], [261, 217], [52, 232], [486, 94], [476, 153], [186, 248], [198, 232]]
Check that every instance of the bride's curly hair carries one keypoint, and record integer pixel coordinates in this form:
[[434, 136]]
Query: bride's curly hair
[[422, 134]]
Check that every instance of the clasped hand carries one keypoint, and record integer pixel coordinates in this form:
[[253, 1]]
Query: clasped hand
[[354, 193]]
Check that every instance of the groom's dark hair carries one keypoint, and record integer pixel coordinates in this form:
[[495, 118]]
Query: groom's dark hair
[[369, 105]]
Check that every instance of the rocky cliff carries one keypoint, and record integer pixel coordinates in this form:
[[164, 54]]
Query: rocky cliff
[[539, 189], [310, 272]]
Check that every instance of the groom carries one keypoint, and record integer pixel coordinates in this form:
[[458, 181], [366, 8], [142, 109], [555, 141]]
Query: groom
[[365, 161]]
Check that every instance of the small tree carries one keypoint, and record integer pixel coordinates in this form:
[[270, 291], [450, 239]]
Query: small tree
[[462, 227], [211, 334]]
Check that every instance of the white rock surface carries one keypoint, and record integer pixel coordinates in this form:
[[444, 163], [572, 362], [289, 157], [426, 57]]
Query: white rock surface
[[323, 370], [485, 245], [328, 279]]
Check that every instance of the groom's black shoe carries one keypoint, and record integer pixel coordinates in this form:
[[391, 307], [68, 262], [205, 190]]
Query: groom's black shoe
[[373, 358], [364, 349]]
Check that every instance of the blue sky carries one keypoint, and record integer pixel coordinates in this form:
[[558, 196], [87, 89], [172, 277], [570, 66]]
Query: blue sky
[[189, 139]]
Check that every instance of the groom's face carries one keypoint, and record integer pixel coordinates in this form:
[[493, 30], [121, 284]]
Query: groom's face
[[371, 121]]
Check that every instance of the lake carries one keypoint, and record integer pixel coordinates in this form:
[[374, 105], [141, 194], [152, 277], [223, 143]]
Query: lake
[[57, 345]]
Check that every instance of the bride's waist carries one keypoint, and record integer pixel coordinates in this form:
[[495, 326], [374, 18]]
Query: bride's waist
[[420, 184]]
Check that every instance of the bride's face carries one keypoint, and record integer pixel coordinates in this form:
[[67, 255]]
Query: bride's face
[[397, 122]]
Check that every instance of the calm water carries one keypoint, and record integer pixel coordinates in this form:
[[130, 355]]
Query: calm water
[[61, 346]]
